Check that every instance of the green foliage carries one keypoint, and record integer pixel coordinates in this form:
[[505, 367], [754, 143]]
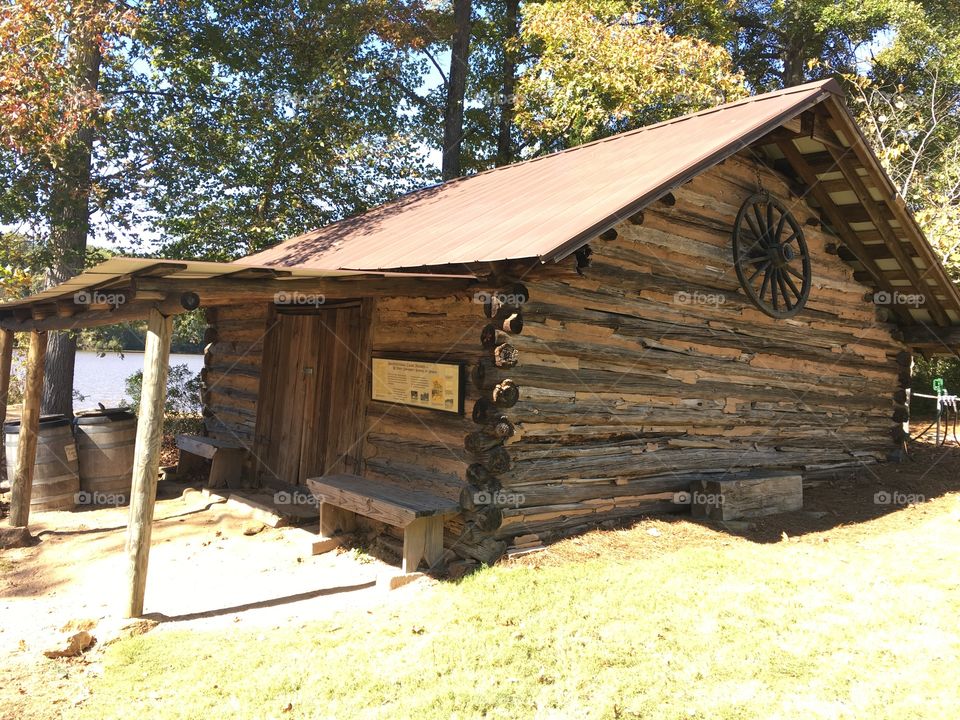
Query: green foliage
[[924, 371], [222, 126], [182, 407], [20, 266], [602, 67], [909, 105], [188, 329], [241, 123], [785, 42]]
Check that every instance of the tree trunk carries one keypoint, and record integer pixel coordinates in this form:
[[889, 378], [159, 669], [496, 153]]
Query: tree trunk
[[505, 129], [456, 89], [69, 214], [794, 64]]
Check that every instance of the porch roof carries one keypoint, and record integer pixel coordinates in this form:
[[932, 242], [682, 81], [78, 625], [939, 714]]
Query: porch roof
[[124, 288]]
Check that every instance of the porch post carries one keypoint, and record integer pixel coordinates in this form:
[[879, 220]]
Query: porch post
[[22, 484], [6, 365], [146, 462]]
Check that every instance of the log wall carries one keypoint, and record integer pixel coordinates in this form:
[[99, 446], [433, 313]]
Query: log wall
[[416, 447], [230, 378], [651, 369], [603, 385]]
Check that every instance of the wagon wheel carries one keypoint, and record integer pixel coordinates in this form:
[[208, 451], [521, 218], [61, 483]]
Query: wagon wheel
[[771, 256]]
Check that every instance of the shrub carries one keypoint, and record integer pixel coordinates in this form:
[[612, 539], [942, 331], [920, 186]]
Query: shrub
[[182, 407]]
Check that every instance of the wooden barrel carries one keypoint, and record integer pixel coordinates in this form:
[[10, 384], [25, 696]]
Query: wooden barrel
[[105, 444], [56, 480]]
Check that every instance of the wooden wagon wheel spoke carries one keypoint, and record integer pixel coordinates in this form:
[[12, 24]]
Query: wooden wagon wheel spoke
[[760, 268], [793, 286], [783, 290], [762, 233], [766, 281], [795, 273], [783, 221], [760, 250], [757, 232]]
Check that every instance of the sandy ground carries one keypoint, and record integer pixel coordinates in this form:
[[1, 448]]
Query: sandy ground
[[204, 572]]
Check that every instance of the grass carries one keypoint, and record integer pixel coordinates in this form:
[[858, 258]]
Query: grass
[[836, 625]]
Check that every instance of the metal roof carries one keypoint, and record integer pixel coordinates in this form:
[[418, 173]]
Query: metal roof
[[546, 207], [118, 270]]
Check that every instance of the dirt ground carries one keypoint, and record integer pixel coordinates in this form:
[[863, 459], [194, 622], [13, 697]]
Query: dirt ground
[[205, 572]]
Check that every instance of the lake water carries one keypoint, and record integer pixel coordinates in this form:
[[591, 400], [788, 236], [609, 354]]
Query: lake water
[[103, 379]]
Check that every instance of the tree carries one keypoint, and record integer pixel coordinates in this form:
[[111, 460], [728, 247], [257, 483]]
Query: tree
[[220, 127], [20, 269], [50, 70], [508, 81], [456, 88], [605, 67], [909, 104], [779, 43]]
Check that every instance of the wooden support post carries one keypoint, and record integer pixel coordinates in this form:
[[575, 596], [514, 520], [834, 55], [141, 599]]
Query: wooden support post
[[146, 461], [22, 485], [6, 365]]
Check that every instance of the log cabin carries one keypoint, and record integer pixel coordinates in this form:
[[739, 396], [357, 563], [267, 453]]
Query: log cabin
[[730, 293], [515, 356]]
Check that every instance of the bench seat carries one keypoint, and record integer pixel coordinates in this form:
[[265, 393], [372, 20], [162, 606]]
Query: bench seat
[[226, 457], [419, 513]]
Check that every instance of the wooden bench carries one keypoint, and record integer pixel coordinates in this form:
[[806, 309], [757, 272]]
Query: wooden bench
[[226, 458], [419, 513]]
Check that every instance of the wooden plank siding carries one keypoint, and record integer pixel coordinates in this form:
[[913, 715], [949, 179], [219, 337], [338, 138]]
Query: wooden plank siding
[[651, 369]]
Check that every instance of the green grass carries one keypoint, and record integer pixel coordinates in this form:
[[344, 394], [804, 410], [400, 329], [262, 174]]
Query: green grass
[[862, 627]]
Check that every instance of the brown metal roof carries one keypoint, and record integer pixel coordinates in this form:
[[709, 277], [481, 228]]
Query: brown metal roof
[[119, 269], [547, 207]]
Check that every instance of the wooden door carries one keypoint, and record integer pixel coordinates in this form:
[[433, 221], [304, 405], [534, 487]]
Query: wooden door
[[313, 395]]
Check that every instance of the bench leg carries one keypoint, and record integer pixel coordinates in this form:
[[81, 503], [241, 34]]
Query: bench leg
[[226, 469], [422, 540], [190, 465], [334, 520]]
